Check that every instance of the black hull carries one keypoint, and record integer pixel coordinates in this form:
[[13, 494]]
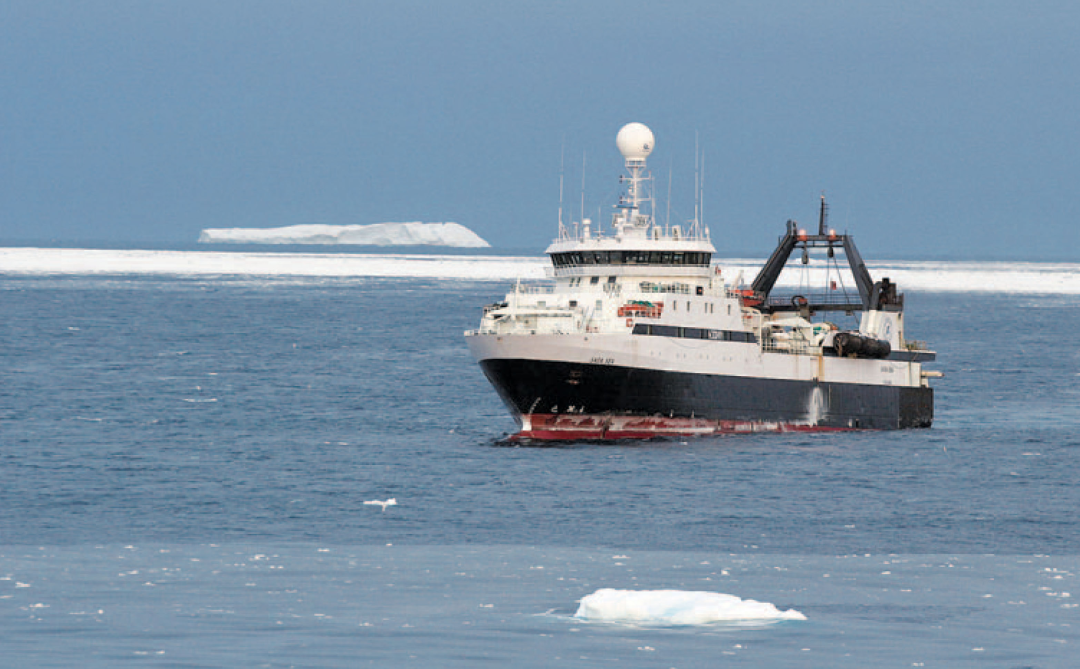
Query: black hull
[[532, 387]]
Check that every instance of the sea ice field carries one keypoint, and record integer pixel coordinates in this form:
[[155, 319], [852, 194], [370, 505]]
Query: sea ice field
[[192, 445]]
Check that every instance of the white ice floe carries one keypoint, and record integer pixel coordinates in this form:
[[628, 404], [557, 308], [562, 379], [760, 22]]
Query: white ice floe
[[69, 262], [676, 607], [1035, 278], [376, 234], [383, 503], [950, 277]]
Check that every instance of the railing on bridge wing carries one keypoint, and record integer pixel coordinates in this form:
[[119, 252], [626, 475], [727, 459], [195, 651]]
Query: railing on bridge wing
[[794, 300], [526, 289]]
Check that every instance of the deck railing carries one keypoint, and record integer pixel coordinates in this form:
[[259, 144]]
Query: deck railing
[[628, 270]]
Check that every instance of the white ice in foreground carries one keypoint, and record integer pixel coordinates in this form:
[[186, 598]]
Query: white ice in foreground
[[383, 503], [377, 234], [676, 607]]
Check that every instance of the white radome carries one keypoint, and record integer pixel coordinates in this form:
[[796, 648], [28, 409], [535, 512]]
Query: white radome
[[635, 141]]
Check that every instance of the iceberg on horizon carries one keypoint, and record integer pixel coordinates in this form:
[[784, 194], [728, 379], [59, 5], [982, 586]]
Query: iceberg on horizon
[[376, 234]]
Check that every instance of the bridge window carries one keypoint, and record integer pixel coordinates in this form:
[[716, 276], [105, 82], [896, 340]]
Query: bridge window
[[576, 259], [694, 333]]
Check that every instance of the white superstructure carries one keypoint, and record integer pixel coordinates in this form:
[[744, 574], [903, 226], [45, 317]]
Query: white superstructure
[[641, 303]]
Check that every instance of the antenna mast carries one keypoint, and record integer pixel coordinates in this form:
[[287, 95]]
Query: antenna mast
[[697, 180], [583, 187], [823, 216], [667, 216], [635, 142], [562, 166], [701, 193]]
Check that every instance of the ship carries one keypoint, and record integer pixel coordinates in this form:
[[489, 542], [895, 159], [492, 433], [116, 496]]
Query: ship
[[637, 334]]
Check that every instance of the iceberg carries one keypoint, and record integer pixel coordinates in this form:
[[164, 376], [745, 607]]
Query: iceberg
[[376, 234], [676, 607]]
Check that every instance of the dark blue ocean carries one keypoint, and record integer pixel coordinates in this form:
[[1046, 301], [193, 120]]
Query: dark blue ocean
[[184, 464]]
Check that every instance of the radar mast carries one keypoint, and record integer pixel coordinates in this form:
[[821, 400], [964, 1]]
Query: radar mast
[[635, 142]]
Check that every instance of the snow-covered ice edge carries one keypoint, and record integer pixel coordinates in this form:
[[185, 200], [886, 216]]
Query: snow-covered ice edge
[[37, 261], [985, 277]]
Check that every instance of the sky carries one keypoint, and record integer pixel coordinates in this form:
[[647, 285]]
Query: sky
[[935, 129]]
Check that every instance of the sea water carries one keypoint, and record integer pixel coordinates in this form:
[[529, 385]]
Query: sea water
[[185, 460]]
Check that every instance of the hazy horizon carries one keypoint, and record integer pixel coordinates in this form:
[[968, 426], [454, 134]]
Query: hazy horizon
[[935, 131]]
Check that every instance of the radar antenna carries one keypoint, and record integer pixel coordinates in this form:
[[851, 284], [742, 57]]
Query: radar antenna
[[635, 142]]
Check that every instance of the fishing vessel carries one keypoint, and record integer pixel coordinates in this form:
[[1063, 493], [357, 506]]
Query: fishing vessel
[[639, 335]]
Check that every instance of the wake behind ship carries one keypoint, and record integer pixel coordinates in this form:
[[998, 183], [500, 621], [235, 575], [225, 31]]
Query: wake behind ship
[[640, 336]]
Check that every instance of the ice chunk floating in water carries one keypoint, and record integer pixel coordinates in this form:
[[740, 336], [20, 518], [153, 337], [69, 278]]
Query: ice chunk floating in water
[[377, 234], [676, 607], [388, 503]]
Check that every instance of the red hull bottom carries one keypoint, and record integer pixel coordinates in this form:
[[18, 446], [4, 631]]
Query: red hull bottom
[[564, 427]]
